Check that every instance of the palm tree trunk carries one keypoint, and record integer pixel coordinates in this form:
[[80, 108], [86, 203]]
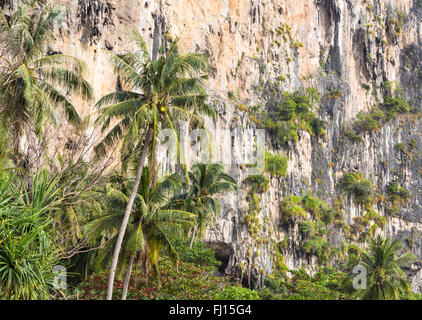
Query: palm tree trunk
[[125, 221], [138, 264], [145, 261], [193, 236], [127, 278]]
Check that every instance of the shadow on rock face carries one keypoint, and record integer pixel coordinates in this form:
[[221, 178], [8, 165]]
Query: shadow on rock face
[[223, 252]]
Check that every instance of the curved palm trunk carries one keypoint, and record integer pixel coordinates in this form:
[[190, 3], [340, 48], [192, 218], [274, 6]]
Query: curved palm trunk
[[193, 236], [194, 232], [127, 278], [138, 263], [125, 221], [144, 260]]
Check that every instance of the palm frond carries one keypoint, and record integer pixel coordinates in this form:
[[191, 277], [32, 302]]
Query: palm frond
[[69, 80], [117, 97], [72, 116]]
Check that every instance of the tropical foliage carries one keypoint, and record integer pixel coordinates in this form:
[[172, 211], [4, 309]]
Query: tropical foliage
[[153, 223], [162, 91], [33, 84], [129, 230], [205, 182], [28, 252], [383, 262]]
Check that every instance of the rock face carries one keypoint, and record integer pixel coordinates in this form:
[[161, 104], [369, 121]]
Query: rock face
[[351, 46]]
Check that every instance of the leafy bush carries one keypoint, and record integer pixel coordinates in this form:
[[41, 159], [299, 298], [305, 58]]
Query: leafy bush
[[401, 147], [238, 293], [366, 122], [395, 105], [314, 205], [353, 137], [361, 188], [285, 132], [198, 254], [318, 127], [292, 112], [28, 249], [397, 193], [307, 228], [258, 183], [317, 245], [291, 209], [334, 93], [326, 284], [276, 164]]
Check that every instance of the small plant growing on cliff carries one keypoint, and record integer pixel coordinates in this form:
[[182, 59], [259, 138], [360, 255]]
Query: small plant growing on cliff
[[291, 209], [276, 164], [356, 184], [334, 94], [396, 193], [366, 122], [314, 205], [394, 105], [258, 183], [352, 136], [292, 112], [401, 147]]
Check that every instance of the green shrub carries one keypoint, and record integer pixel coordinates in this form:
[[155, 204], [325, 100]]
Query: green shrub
[[401, 147], [317, 127], [238, 293], [397, 193], [258, 183], [331, 215], [276, 164], [393, 103], [335, 94], [314, 205], [291, 210], [356, 184], [325, 284], [198, 254], [353, 137], [292, 112], [397, 104], [366, 122], [307, 228], [285, 132], [29, 249], [317, 245]]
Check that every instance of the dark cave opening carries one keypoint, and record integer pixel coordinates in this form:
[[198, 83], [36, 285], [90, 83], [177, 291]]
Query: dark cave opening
[[222, 252]]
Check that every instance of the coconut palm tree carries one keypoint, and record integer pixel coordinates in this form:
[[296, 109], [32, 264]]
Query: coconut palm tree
[[152, 224], [33, 83], [386, 279], [160, 93], [205, 182]]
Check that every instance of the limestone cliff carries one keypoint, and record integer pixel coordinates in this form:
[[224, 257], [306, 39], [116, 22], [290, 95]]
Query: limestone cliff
[[350, 47]]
